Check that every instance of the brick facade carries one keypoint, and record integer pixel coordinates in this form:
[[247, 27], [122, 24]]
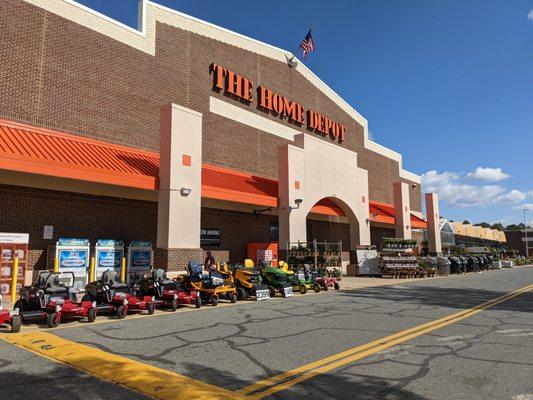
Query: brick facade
[[60, 75]]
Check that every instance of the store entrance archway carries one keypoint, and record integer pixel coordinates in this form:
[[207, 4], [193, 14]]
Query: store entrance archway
[[311, 171]]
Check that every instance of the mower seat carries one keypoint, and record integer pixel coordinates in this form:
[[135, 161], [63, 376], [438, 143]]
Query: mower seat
[[111, 279], [285, 267], [195, 270], [51, 285], [159, 275]]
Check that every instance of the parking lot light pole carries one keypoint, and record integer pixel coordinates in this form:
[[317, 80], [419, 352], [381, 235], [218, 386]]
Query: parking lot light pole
[[525, 226]]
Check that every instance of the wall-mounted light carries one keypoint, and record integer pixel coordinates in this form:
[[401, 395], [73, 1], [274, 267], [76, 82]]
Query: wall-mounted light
[[185, 191], [297, 202], [414, 185]]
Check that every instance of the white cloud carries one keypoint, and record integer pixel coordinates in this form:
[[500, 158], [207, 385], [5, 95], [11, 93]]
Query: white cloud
[[488, 174], [530, 15], [371, 135], [526, 206], [451, 189], [512, 197]]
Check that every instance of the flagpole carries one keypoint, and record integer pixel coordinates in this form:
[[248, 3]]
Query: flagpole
[[292, 63]]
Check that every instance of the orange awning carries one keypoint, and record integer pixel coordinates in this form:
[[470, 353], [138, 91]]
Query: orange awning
[[40, 151]]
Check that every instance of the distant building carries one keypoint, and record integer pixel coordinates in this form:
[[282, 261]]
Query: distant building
[[517, 240]]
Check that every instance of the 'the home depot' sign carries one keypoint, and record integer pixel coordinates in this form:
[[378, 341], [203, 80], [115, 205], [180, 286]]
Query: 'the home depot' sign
[[242, 88]]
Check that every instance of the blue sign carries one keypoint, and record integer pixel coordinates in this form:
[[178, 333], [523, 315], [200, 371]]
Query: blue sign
[[141, 259], [73, 259], [109, 243], [140, 243], [72, 242], [108, 259]]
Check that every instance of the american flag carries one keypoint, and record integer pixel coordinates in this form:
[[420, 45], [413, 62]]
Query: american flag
[[307, 44]]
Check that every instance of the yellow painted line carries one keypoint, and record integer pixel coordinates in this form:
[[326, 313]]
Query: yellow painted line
[[288, 379], [146, 379]]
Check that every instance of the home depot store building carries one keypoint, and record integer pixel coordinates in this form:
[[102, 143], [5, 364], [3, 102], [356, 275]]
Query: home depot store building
[[179, 126]]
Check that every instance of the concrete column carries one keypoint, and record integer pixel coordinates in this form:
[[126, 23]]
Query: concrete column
[[433, 215], [291, 186], [402, 211], [180, 179]]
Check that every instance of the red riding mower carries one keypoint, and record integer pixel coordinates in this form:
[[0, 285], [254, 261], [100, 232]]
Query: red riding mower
[[49, 299], [113, 297], [10, 318], [326, 280], [167, 293]]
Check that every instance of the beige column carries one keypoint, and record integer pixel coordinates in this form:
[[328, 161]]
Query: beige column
[[291, 186], [402, 211], [180, 178], [433, 215]]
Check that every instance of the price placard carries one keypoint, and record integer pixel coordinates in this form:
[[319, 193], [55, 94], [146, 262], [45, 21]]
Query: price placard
[[287, 291], [262, 294]]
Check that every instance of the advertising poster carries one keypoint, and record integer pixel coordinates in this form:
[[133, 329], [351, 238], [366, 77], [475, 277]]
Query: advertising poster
[[109, 254], [73, 257], [139, 258], [12, 245]]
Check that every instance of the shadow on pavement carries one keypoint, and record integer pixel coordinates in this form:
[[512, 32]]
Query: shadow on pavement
[[460, 298], [59, 383], [325, 386]]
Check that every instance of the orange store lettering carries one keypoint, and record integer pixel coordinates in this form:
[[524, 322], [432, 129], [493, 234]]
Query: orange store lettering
[[242, 88]]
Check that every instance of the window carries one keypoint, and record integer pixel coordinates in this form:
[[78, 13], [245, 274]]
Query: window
[[274, 232]]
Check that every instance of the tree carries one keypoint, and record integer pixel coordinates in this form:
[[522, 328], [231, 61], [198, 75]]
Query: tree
[[483, 225], [498, 226], [466, 222], [514, 227]]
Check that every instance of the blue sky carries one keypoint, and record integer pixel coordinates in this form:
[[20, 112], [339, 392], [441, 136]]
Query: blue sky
[[447, 83]]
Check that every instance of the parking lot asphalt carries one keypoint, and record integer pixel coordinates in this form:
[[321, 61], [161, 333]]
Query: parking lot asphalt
[[486, 354]]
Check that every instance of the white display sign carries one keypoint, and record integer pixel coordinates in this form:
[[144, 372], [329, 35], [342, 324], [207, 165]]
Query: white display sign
[[17, 238], [48, 232]]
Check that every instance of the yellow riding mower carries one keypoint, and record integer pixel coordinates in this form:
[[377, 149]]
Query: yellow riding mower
[[249, 281], [216, 285]]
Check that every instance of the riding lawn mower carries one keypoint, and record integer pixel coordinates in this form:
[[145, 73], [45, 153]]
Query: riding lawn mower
[[249, 282], [217, 285], [49, 299], [167, 293], [114, 297], [11, 318]]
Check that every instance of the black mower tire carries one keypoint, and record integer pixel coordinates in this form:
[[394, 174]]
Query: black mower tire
[[16, 321], [121, 312], [91, 315], [233, 297], [302, 289], [52, 321], [337, 286], [272, 291], [241, 293], [150, 307], [316, 288], [325, 288], [214, 301], [198, 302], [174, 305]]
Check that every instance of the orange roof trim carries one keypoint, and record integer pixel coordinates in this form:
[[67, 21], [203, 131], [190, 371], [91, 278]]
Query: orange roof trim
[[40, 151]]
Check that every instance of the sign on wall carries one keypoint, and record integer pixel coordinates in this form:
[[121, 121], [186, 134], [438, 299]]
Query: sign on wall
[[210, 237], [243, 89]]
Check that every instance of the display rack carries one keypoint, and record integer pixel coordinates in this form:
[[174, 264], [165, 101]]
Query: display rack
[[397, 258], [320, 255]]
